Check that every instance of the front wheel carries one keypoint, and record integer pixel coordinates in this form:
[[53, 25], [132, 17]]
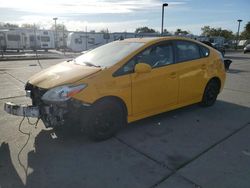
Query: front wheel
[[105, 119], [210, 94]]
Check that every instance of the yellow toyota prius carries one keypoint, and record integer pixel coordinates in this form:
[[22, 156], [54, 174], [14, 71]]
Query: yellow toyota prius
[[124, 81]]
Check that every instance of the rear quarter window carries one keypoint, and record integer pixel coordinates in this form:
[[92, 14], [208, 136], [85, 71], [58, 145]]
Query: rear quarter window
[[204, 51]]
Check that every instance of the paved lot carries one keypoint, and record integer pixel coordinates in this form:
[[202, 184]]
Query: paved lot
[[190, 147]]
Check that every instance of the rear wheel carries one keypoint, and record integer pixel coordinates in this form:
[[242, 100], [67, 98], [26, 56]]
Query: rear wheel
[[105, 119], [210, 94]]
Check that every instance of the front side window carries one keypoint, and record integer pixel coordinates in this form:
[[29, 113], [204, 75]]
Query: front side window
[[155, 56], [186, 51]]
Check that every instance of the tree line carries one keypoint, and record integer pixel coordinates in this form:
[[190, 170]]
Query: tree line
[[31, 26], [206, 30]]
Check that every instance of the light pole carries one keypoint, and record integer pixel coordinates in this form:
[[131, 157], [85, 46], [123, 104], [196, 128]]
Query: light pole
[[55, 33], [162, 16], [238, 33], [64, 45]]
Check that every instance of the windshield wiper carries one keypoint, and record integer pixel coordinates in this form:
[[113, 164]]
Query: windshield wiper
[[91, 64]]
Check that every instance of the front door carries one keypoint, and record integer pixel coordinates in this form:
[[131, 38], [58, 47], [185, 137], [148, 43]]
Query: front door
[[159, 88]]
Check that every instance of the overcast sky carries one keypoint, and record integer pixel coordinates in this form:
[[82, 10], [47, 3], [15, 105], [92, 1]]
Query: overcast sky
[[127, 15]]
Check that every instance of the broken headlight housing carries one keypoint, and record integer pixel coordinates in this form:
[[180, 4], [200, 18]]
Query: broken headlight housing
[[62, 93]]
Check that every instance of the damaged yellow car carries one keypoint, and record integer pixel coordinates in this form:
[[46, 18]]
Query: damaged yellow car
[[124, 81]]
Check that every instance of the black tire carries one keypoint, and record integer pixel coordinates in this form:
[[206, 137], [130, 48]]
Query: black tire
[[105, 119], [210, 94], [68, 128]]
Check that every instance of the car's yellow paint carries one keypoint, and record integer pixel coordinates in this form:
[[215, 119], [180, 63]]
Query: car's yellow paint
[[154, 90], [144, 94], [62, 73]]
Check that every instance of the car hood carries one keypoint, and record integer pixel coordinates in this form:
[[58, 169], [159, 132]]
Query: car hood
[[62, 73]]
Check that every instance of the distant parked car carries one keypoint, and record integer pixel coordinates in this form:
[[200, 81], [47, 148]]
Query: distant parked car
[[247, 48], [221, 49], [227, 62]]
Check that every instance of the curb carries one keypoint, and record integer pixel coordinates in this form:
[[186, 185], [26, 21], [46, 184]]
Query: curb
[[31, 58]]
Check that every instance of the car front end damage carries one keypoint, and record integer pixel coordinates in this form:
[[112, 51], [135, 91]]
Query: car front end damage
[[55, 112]]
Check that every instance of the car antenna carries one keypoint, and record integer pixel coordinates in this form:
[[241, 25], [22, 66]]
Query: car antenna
[[39, 63]]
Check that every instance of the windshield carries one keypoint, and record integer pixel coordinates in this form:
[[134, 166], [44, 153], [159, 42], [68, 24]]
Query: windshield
[[109, 54]]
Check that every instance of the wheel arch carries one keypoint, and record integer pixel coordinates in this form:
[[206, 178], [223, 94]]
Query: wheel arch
[[116, 100], [217, 80]]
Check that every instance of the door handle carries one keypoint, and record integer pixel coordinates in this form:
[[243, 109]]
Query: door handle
[[203, 66], [173, 75]]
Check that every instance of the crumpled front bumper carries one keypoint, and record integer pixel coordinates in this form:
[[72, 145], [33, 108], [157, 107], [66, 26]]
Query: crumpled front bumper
[[22, 110], [52, 114]]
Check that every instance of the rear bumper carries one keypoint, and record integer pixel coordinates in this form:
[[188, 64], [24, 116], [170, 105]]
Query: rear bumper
[[21, 110]]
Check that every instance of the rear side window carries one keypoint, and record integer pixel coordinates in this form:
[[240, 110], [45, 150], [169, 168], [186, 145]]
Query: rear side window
[[186, 51]]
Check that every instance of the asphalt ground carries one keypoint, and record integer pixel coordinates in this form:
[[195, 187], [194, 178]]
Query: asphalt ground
[[40, 54], [186, 148]]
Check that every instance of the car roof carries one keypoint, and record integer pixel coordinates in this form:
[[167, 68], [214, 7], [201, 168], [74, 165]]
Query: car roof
[[156, 39]]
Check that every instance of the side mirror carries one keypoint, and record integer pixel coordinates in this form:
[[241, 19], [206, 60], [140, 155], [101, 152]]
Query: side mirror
[[142, 68], [227, 63]]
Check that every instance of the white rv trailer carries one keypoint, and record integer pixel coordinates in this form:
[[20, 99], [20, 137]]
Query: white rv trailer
[[82, 41], [122, 35], [62, 36], [3, 44], [46, 39], [41, 39], [13, 40], [22, 38]]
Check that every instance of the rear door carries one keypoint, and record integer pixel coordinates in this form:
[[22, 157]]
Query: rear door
[[192, 70]]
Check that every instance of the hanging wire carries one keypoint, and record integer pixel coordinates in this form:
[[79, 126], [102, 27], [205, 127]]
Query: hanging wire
[[25, 168]]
